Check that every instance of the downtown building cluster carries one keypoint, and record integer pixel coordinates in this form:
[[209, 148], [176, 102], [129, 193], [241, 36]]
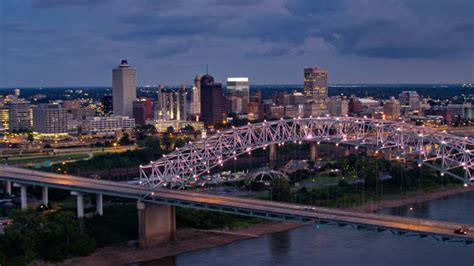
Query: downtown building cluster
[[210, 104]]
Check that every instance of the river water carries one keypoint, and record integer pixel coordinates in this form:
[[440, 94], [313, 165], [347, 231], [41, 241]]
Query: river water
[[329, 245]]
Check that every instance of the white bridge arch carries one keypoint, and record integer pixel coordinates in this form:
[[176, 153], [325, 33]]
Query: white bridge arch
[[449, 154]]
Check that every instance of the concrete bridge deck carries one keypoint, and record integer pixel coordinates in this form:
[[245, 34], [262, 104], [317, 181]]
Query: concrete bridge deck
[[443, 231]]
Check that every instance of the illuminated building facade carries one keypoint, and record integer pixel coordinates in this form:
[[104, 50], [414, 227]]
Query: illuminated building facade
[[50, 119], [237, 92], [195, 108], [172, 104], [316, 83], [19, 114], [124, 89]]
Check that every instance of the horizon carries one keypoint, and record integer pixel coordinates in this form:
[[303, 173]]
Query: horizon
[[224, 84]]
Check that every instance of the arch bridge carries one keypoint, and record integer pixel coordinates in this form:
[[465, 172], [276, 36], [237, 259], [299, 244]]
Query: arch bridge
[[450, 155]]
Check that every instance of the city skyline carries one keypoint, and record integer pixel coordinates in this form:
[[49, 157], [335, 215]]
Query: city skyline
[[399, 42]]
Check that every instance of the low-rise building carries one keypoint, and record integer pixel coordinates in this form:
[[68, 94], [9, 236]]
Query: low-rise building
[[107, 124], [338, 106], [391, 109]]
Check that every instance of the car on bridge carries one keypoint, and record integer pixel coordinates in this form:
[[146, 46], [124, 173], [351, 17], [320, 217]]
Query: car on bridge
[[460, 231]]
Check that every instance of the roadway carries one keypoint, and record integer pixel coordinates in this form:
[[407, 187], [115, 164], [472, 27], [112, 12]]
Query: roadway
[[250, 207]]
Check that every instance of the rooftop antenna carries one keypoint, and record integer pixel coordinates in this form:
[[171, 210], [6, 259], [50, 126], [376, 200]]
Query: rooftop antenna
[[207, 69]]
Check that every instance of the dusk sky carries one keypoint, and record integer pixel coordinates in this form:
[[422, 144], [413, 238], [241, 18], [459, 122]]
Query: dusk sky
[[78, 42]]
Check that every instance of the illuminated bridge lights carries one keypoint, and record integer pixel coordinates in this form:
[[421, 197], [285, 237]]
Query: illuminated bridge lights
[[441, 151]]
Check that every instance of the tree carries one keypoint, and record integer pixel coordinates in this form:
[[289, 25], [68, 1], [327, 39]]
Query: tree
[[280, 189], [30, 137], [125, 139], [167, 141], [170, 130], [151, 143], [52, 237]]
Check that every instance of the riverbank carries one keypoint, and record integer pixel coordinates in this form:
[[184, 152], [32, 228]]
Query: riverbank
[[189, 240]]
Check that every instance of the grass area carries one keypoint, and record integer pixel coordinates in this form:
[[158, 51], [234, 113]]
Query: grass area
[[50, 158]]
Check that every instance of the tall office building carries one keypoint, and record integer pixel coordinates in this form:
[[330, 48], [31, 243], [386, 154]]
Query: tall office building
[[19, 114], [237, 92], [213, 102], [316, 83], [50, 119], [196, 97], [172, 104], [124, 89]]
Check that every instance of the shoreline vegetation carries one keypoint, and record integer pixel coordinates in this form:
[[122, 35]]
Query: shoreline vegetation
[[189, 240]]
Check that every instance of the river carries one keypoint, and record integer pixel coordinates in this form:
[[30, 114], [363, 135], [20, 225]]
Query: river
[[329, 245]]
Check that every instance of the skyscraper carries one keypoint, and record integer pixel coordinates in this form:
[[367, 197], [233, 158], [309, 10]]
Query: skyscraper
[[213, 102], [316, 83], [196, 97], [124, 89], [172, 104], [237, 92]]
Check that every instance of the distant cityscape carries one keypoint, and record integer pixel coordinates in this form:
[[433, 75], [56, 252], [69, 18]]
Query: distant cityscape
[[55, 115]]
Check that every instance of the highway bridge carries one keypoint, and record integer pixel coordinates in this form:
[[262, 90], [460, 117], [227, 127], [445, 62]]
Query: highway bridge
[[157, 214]]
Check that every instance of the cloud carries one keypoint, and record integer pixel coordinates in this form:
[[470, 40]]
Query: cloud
[[22, 28], [234, 3], [169, 48], [391, 29], [67, 3], [273, 52]]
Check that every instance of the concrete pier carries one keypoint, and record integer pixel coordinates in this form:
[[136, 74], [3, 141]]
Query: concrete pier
[[99, 209], [79, 203], [44, 195], [272, 155], [8, 188], [156, 224], [314, 151], [23, 195]]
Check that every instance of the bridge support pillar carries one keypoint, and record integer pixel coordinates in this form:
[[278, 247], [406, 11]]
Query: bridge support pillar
[[23, 195], [44, 195], [99, 204], [314, 151], [347, 151], [8, 188], [156, 224], [272, 155], [79, 203]]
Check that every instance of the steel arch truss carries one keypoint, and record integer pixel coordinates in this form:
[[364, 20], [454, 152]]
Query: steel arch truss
[[451, 155]]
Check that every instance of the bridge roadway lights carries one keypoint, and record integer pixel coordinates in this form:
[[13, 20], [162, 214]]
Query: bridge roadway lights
[[8, 189], [44, 195], [156, 224], [79, 203], [24, 203], [99, 204]]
